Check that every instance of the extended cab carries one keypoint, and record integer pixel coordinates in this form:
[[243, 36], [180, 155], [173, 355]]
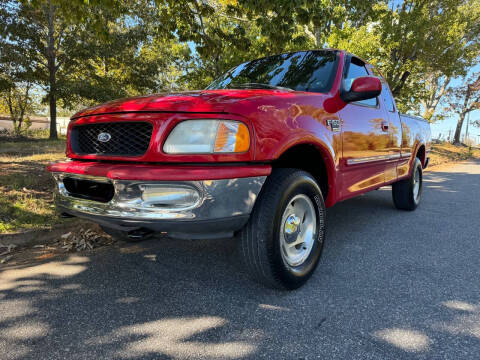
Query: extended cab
[[261, 153]]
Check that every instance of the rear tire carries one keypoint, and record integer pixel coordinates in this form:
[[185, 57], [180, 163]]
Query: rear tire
[[283, 240], [408, 193]]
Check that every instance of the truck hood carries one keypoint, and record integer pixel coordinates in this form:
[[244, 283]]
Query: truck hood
[[202, 101]]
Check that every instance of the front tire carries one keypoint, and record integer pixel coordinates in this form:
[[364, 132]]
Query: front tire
[[283, 240], [408, 193]]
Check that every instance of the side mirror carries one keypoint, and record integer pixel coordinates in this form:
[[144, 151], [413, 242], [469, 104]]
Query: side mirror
[[363, 88]]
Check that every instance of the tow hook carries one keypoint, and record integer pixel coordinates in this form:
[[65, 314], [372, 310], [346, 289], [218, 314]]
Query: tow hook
[[65, 215], [139, 234]]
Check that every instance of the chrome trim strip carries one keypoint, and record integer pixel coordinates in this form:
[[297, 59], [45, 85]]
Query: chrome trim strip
[[86, 177], [406, 154], [218, 199], [369, 159], [413, 117]]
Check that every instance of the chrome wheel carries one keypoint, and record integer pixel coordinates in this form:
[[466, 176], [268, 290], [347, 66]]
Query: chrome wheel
[[416, 184], [298, 230]]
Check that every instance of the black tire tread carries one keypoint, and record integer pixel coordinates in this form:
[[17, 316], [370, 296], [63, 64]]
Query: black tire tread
[[256, 254], [402, 191]]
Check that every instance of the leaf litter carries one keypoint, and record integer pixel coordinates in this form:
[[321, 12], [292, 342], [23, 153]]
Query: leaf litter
[[83, 240], [5, 254]]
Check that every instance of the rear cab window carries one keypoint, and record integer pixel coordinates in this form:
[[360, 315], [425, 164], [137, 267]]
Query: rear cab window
[[387, 97]]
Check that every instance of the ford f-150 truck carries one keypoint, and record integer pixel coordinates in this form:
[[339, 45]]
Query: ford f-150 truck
[[260, 153]]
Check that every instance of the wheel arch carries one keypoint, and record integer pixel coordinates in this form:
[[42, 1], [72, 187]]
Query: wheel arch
[[421, 154], [300, 156]]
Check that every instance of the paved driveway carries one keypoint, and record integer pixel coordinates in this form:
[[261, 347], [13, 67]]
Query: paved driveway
[[391, 285]]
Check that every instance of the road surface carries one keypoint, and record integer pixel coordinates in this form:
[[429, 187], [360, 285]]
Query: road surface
[[390, 285]]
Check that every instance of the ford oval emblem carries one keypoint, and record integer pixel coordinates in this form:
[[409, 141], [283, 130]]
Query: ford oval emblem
[[104, 137]]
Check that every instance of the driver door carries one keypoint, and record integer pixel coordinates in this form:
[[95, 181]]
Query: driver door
[[364, 138]]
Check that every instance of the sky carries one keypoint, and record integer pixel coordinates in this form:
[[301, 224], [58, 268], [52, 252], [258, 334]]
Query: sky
[[443, 127]]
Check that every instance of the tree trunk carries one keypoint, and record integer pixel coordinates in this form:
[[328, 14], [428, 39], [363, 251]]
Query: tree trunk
[[317, 32], [53, 116], [437, 92], [51, 63], [465, 110], [22, 104], [399, 86], [458, 130], [12, 110]]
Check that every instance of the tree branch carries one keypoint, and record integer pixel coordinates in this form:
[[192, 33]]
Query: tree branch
[[403, 79]]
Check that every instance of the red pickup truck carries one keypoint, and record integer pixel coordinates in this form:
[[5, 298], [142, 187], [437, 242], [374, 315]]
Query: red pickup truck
[[260, 153]]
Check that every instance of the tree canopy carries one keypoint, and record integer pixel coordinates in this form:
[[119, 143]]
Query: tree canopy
[[83, 52]]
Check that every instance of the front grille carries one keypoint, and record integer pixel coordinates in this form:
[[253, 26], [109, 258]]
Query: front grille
[[89, 189], [126, 138]]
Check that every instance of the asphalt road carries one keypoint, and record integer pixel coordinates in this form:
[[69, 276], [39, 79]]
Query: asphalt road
[[391, 285]]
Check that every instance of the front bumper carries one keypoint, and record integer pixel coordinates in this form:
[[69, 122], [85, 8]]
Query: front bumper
[[183, 209]]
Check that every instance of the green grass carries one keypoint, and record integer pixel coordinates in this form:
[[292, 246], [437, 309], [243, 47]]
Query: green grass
[[26, 197], [19, 211], [31, 147]]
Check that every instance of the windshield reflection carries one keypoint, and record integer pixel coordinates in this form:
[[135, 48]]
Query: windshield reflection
[[312, 71]]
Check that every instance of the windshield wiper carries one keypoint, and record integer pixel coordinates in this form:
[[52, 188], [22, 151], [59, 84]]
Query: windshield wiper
[[254, 85]]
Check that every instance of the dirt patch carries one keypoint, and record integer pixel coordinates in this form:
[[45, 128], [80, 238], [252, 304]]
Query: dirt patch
[[446, 152], [85, 239]]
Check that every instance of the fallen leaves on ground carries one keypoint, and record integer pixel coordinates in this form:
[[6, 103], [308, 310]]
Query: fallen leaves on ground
[[82, 240], [5, 252], [78, 240]]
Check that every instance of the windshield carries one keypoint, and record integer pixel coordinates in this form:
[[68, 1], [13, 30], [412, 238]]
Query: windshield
[[301, 71]]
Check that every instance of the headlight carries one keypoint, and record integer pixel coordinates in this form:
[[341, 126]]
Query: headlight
[[208, 136]]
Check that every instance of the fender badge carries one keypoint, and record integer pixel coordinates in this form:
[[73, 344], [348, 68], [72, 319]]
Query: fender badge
[[334, 124]]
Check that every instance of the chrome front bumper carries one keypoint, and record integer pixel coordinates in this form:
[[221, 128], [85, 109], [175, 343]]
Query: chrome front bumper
[[184, 209]]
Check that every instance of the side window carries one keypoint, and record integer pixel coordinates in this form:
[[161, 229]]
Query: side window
[[387, 97], [357, 69]]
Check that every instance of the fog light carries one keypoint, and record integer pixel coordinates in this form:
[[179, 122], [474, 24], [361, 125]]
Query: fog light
[[164, 196]]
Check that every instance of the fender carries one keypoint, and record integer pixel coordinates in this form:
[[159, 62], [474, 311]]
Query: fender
[[412, 159], [329, 158]]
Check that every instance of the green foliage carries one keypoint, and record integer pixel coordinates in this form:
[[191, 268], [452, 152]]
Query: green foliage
[[280, 20], [17, 102], [88, 51], [218, 39]]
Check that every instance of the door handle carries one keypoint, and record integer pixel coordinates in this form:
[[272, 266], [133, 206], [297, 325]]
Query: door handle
[[385, 126]]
